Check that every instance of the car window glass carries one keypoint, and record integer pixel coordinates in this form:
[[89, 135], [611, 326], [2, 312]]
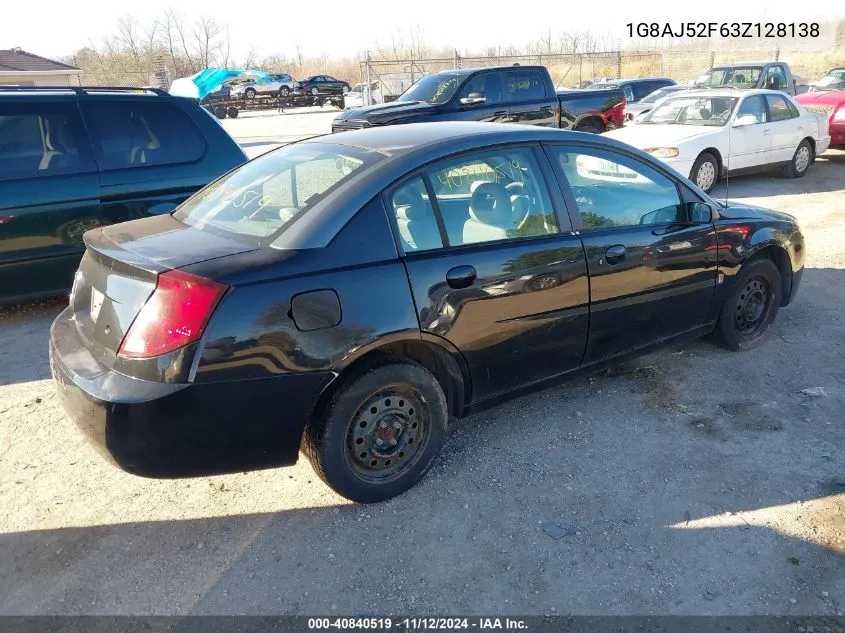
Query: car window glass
[[775, 78], [753, 106], [778, 108], [415, 217], [487, 84], [41, 140], [137, 134], [524, 85], [262, 198], [614, 190], [493, 195], [641, 89], [629, 93]]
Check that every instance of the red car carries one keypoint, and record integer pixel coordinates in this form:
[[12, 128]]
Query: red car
[[831, 103]]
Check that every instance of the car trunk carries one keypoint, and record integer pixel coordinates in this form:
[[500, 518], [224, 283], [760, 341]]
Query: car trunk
[[120, 269]]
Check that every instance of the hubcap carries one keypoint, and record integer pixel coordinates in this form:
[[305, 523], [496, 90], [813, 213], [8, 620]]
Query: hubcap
[[76, 230], [706, 176], [387, 435], [802, 159], [752, 307]]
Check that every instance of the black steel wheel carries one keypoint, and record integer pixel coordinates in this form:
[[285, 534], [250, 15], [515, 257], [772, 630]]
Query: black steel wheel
[[379, 431], [233, 112], [751, 307]]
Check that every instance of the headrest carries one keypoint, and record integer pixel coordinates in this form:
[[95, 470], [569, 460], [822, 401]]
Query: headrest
[[491, 204], [409, 204]]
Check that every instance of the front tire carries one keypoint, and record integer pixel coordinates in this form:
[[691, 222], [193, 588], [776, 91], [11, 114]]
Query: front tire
[[249, 93], [379, 432], [801, 161], [315, 91], [752, 306], [705, 171], [284, 91]]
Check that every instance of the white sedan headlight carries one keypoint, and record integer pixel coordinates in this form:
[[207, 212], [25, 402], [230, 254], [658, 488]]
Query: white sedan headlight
[[662, 152]]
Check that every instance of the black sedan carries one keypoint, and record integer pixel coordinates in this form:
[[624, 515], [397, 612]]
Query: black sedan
[[322, 85], [351, 293]]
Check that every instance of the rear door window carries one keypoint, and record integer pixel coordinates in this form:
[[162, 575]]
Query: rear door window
[[142, 133], [524, 85], [40, 140], [779, 109]]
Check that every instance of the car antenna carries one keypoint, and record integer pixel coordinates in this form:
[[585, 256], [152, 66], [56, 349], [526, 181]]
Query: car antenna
[[730, 132]]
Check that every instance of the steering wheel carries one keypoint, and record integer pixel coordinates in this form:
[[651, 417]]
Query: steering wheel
[[519, 189]]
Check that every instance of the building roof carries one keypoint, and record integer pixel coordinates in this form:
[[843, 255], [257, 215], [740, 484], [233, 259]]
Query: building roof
[[16, 60]]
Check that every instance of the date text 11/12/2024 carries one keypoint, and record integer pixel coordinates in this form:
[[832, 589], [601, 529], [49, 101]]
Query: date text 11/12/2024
[[416, 624], [723, 29]]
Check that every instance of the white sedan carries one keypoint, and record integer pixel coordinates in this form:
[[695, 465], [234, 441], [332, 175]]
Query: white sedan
[[707, 133]]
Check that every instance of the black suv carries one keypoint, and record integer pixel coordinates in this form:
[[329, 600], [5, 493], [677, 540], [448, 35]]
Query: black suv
[[72, 159]]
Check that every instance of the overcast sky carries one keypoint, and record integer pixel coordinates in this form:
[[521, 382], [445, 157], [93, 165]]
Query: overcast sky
[[344, 28]]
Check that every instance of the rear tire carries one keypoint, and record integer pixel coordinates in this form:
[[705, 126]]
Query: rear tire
[[752, 306], [233, 112], [705, 171], [590, 128], [220, 112], [379, 432], [284, 91], [801, 161]]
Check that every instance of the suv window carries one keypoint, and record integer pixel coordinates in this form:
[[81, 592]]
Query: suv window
[[524, 85], [487, 84], [415, 217], [492, 195], [613, 190], [142, 133], [38, 140], [779, 109]]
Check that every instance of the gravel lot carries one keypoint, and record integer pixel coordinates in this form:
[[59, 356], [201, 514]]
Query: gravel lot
[[691, 481]]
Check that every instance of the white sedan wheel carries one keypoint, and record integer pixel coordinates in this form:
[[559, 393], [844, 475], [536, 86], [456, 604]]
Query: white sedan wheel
[[705, 177], [802, 159]]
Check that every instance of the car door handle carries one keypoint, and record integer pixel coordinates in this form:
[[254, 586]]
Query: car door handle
[[615, 254], [460, 277]]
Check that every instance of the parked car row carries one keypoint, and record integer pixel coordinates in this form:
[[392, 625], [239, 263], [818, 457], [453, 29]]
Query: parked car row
[[283, 85]]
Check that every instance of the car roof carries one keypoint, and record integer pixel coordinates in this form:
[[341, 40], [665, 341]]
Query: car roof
[[394, 140], [640, 80]]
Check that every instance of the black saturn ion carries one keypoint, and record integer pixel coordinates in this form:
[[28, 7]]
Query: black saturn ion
[[350, 294]]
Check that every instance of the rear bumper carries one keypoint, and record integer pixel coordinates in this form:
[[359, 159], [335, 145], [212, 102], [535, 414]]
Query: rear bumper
[[837, 135], [167, 430]]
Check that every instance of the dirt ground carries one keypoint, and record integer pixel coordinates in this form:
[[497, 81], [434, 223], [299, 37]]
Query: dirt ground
[[690, 481]]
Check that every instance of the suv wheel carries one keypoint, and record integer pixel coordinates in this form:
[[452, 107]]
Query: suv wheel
[[249, 93], [750, 309], [380, 431]]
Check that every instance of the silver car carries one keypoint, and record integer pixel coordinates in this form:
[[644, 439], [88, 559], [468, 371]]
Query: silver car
[[633, 110], [280, 84]]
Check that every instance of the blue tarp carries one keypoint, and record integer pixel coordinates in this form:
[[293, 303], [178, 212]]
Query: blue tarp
[[210, 79]]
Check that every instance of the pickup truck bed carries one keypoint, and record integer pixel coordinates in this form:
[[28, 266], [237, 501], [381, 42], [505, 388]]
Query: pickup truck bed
[[523, 94]]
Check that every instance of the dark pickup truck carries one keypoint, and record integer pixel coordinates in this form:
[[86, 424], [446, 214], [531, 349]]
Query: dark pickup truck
[[511, 94]]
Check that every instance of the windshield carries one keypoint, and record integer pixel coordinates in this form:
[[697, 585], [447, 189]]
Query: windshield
[[709, 111], [438, 88], [263, 197], [833, 78], [737, 76]]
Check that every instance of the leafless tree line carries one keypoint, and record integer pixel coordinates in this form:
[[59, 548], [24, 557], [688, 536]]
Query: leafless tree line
[[184, 46]]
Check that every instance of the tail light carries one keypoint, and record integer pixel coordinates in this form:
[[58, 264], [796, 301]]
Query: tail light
[[174, 316]]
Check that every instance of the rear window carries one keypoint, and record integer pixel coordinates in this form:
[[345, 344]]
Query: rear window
[[142, 133], [263, 197]]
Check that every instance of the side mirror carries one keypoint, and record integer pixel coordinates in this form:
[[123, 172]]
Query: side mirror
[[743, 121], [700, 213], [474, 98]]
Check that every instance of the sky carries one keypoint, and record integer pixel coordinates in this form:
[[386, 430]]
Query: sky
[[341, 28]]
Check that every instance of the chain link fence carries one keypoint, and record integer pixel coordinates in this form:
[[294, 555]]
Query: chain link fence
[[579, 70]]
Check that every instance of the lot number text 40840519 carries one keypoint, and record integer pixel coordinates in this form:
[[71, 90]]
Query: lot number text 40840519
[[723, 29], [417, 624]]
